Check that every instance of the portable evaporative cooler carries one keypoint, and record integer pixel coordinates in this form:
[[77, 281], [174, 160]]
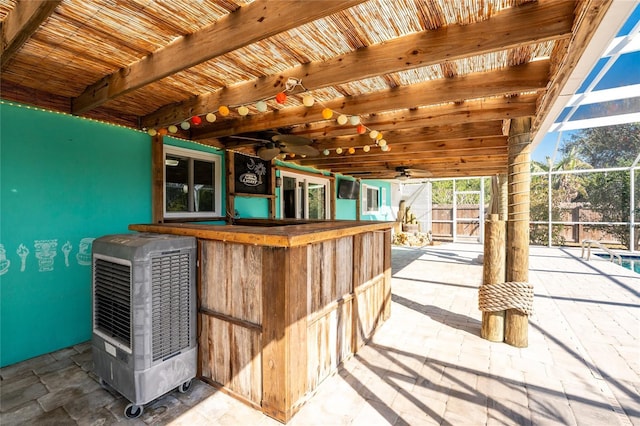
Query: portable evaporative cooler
[[144, 319]]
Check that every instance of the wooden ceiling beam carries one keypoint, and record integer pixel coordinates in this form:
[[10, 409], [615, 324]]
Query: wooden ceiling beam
[[469, 146], [20, 24], [418, 136], [420, 163], [449, 114], [447, 173], [372, 158], [434, 170], [530, 77], [403, 136], [527, 24], [249, 24]]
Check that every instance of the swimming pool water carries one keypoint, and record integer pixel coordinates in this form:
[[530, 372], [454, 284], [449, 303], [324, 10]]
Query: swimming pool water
[[633, 264], [628, 261]]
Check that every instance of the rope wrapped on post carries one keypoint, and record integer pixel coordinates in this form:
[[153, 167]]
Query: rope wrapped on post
[[503, 296]]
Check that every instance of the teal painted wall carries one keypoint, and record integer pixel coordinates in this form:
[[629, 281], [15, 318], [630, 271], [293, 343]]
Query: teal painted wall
[[385, 212], [63, 181], [345, 209], [252, 207]]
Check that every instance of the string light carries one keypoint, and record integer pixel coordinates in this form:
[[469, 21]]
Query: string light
[[308, 100], [261, 106], [281, 97], [150, 131], [327, 113]]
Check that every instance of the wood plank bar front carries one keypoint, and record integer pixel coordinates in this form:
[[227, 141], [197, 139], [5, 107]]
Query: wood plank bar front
[[283, 303]]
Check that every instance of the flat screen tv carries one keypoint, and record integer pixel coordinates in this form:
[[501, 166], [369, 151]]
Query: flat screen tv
[[348, 189]]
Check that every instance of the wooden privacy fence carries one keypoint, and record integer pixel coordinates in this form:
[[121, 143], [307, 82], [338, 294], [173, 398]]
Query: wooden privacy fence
[[466, 222]]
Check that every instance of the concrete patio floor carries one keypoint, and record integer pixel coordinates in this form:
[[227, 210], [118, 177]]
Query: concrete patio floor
[[426, 365]]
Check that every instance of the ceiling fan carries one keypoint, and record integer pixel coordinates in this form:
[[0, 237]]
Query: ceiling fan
[[273, 144], [403, 173]]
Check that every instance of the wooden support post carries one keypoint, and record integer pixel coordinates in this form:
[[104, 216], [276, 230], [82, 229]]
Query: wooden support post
[[272, 201], [231, 187], [157, 179], [517, 323], [502, 195], [493, 273]]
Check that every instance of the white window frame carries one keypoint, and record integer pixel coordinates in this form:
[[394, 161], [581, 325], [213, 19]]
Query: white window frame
[[305, 180], [365, 199], [217, 181]]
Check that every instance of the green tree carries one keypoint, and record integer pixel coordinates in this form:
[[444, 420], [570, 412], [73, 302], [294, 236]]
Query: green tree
[[609, 192], [565, 188], [609, 146]]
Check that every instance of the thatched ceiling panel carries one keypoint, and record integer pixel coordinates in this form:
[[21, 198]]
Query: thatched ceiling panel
[[411, 76], [193, 81], [380, 21], [66, 83], [189, 16], [263, 59], [5, 7], [361, 87]]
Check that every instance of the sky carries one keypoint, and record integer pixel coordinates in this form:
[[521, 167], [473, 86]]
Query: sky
[[613, 100]]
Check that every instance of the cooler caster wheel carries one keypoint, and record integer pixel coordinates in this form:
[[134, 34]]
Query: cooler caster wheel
[[184, 386], [133, 411]]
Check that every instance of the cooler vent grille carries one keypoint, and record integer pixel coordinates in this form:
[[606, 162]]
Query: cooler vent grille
[[112, 300], [171, 293]]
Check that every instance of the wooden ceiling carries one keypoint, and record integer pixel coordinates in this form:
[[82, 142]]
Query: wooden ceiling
[[440, 79]]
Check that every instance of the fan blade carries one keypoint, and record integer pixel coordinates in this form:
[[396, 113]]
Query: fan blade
[[247, 138], [418, 173], [268, 154], [292, 139], [307, 150]]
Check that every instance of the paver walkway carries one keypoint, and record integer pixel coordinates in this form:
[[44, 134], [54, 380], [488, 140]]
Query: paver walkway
[[425, 365]]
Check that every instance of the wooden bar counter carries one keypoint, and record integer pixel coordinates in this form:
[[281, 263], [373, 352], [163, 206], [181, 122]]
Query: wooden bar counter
[[282, 303]]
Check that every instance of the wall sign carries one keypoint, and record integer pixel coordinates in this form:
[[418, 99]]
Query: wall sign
[[252, 174]]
